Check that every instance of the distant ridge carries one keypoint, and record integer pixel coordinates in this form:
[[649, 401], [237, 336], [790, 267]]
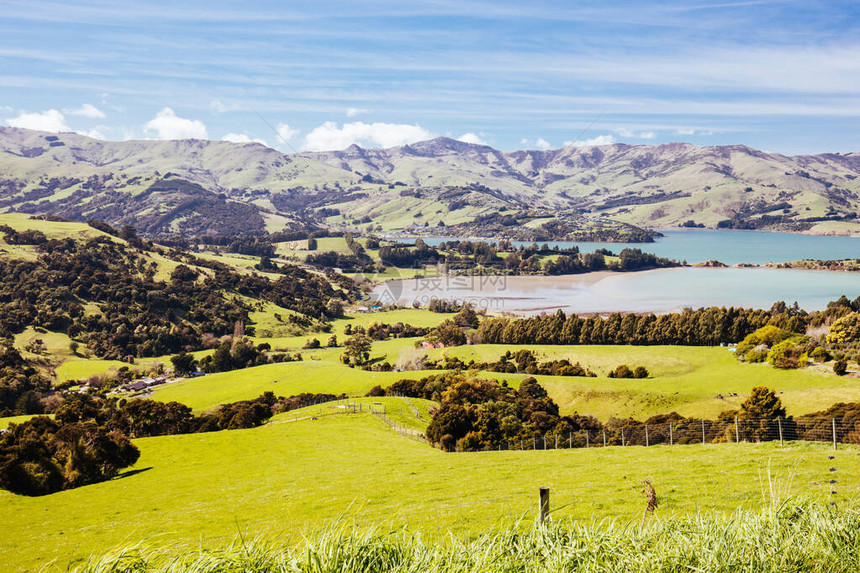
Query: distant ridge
[[428, 182]]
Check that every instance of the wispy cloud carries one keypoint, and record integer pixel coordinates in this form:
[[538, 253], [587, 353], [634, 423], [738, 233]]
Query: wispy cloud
[[354, 111], [89, 111], [593, 142]]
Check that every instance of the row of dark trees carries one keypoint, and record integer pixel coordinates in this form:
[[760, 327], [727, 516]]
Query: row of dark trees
[[703, 327]]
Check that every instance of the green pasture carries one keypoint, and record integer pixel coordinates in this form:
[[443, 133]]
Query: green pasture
[[692, 380], [285, 379], [288, 478]]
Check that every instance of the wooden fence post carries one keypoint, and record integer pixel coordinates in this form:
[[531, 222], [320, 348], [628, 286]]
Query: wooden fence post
[[543, 504], [604, 438], [622, 437], [833, 424], [556, 441], [570, 440], [671, 435], [779, 423], [703, 431], [647, 440], [586, 439], [737, 432]]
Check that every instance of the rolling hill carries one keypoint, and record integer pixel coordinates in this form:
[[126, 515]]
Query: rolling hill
[[195, 186]]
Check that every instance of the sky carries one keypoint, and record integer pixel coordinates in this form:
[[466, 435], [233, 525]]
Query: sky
[[782, 76]]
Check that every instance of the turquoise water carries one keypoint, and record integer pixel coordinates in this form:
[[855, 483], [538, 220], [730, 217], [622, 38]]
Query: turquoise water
[[662, 290], [732, 247]]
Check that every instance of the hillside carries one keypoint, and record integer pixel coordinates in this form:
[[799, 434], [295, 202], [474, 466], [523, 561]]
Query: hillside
[[195, 186]]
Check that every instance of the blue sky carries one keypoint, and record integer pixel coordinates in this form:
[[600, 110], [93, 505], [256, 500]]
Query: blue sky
[[782, 76]]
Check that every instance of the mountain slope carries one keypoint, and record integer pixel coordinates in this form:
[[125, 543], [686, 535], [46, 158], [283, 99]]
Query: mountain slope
[[420, 185]]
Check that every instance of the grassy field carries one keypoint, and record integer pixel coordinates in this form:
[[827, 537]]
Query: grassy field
[[290, 478], [694, 381], [284, 379]]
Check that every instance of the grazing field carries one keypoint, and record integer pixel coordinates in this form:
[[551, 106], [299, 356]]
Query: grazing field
[[289, 478], [284, 379], [694, 381]]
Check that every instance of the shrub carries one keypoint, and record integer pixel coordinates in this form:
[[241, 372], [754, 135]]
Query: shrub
[[786, 354], [640, 372], [840, 367], [621, 371]]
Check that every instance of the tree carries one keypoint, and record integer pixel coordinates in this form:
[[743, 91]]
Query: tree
[[447, 334], [184, 363], [762, 403], [466, 318], [312, 243], [357, 350], [332, 341]]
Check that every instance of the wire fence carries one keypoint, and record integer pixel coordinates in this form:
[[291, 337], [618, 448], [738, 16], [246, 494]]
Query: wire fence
[[688, 431]]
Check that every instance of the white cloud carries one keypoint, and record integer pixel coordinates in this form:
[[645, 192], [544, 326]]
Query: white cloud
[[330, 136], [624, 132], [354, 111], [594, 141], [539, 143], [167, 125], [242, 138], [88, 110], [685, 131], [471, 138], [542, 144], [285, 132], [50, 120]]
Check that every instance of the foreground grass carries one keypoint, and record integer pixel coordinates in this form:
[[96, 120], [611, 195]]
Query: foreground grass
[[288, 478], [786, 537]]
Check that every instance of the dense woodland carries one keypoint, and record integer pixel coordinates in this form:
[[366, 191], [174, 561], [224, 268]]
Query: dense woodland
[[139, 315]]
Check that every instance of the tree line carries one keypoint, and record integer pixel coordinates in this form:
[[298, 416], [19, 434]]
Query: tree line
[[703, 327]]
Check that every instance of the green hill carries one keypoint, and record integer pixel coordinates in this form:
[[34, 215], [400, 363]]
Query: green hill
[[193, 186]]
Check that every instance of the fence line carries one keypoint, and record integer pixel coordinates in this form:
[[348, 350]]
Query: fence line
[[688, 431]]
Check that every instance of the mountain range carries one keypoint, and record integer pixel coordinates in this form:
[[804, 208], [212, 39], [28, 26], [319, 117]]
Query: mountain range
[[195, 187]]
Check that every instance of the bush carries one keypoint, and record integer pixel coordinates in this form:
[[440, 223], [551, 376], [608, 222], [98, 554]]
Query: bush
[[621, 371], [787, 353], [640, 372], [840, 367]]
